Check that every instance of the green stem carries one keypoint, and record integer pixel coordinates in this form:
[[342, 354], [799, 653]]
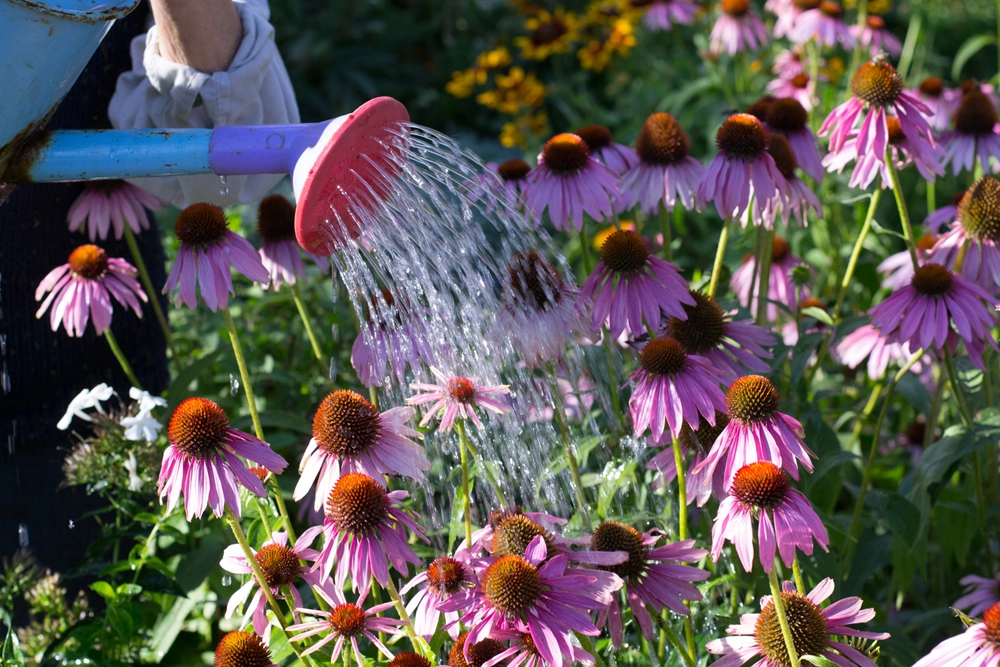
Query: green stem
[[571, 462], [490, 479], [910, 42], [766, 254], [682, 523], [720, 254], [931, 197], [588, 645], [616, 399], [904, 213], [466, 503], [120, 356], [419, 645], [147, 284], [262, 511], [668, 252], [956, 387], [679, 219], [677, 643], [779, 610], [297, 298], [800, 583], [977, 471]]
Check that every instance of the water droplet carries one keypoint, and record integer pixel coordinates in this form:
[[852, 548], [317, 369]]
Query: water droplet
[[333, 369], [234, 385], [71, 524], [335, 330], [224, 190], [3, 343], [22, 535], [227, 580], [5, 379]]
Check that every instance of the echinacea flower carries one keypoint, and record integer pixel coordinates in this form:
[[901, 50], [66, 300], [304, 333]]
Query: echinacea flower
[[787, 12], [931, 93], [350, 435], [731, 346], [785, 519], [446, 582], [81, 290], [876, 38], [788, 63], [979, 645], [817, 631], [737, 29], [616, 157], [787, 116], [569, 182], [506, 181], [924, 312], [665, 173], [479, 653], [654, 577], [87, 399], [980, 594], [661, 15], [898, 267], [867, 342], [207, 251], [540, 310], [521, 652], [244, 649], [799, 87], [673, 387], [630, 287], [926, 157], [976, 134], [741, 166], [539, 596], [878, 93], [410, 659], [953, 96], [281, 567], [392, 339], [975, 235], [203, 460], [280, 252], [825, 24], [757, 431], [780, 286], [111, 204], [346, 622], [364, 530], [695, 445], [456, 397], [797, 199]]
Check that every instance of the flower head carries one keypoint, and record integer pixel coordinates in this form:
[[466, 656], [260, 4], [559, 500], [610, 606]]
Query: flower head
[[789, 117], [616, 157], [204, 460], [455, 397], [82, 288], [207, 251], [345, 622], [477, 654], [664, 173], [695, 445], [87, 399], [445, 587], [242, 649], [875, 37], [980, 594], [662, 14], [393, 338], [978, 645], [898, 267], [106, 204], [975, 234], [931, 92], [737, 29], [280, 252], [825, 24], [351, 435], [780, 287], [142, 426]]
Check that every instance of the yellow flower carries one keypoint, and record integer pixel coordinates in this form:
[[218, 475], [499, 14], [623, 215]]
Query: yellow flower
[[515, 133], [601, 236], [498, 57], [550, 32], [606, 12], [874, 6], [511, 136], [514, 91], [462, 83], [834, 69], [596, 55]]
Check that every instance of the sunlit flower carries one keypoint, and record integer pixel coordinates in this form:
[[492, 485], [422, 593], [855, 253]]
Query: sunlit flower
[[392, 339], [818, 631], [489, 650], [522, 652], [549, 33], [787, 12], [142, 426], [346, 622], [365, 531], [244, 649], [975, 235], [280, 252], [616, 157], [780, 286], [785, 519], [798, 199], [978, 645], [204, 460], [788, 117], [661, 15], [630, 287], [876, 38], [456, 397], [757, 431], [931, 93], [825, 24], [953, 96], [515, 91], [665, 173], [447, 582], [350, 435], [87, 399], [788, 63], [980, 594], [976, 134], [799, 87], [106, 204], [207, 251], [898, 267], [926, 157], [867, 342], [695, 445], [81, 290], [654, 577], [737, 29]]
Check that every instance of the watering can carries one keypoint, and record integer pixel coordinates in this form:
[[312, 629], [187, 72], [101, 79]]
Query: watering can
[[44, 46]]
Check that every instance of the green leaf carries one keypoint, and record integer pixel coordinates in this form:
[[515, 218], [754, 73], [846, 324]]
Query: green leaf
[[178, 389], [104, 589], [819, 661], [969, 48], [168, 626], [128, 589], [819, 314], [900, 514]]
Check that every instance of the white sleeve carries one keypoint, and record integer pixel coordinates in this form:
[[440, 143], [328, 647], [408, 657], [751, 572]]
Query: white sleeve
[[255, 90]]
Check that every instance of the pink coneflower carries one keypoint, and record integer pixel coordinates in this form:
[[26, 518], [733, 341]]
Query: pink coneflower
[[980, 594], [653, 577], [978, 645], [878, 93], [107, 204], [346, 622], [741, 166], [785, 519], [931, 92], [731, 346], [207, 251], [204, 462], [799, 87], [876, 38], [788, 117], [663, 14], [787, 12], [350, 435], [522, 652], [446, 582], [921, 313], [925, 157], [788, 63], [82, 288], [619, 158], [539, 596], [507, 181], [569, 182], [456, 397], [975, 134], [797, 200], [696, 443], [540, 310], [630, 287], [673, 387], [280, 252], [364, 529], [665, 173], [281, 568], [392, 340], [815, 631], [757, 431], [737, 29], [825, 24], [975, 234], [780, 286], [867, 342], [944, 215], [488, 650], [898, 267], [953, 96], [244, 649]]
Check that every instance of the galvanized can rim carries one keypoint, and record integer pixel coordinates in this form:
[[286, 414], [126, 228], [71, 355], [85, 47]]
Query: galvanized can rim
[[88, 11]]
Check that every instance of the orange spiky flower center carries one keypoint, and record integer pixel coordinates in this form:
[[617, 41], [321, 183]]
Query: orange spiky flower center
[[88, 262], [663, 356], [201, 225], [242, 649], [736, 8], [662, 140], [742, 137], [446, 575], [358, 504], [617, 536], [595, 136], [624, 251], [513, 170], [752, 399], [979, 210], [513, 532], [932, 279], [462, 390], [566, 154], [512, 586], [198, 427], [877, 84], [761, 485], [279, 564], [346, 424], [704, 327], [787, 115], [347, 620], [809, 629], [479, 653]]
